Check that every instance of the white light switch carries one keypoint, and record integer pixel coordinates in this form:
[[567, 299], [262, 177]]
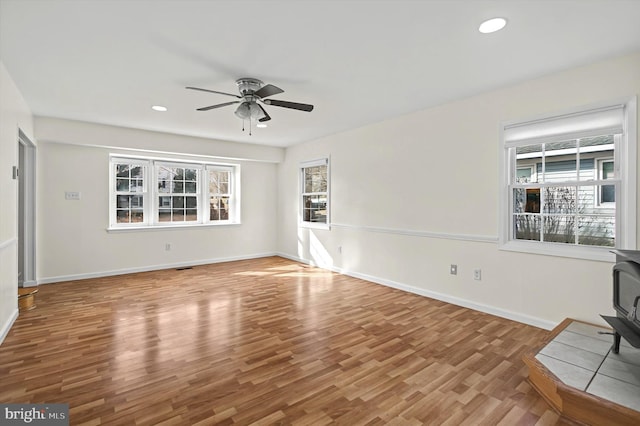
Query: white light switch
[[71, 195]]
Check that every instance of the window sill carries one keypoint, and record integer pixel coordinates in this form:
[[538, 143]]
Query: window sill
[[314, 225], [601, 254], [116, 229]]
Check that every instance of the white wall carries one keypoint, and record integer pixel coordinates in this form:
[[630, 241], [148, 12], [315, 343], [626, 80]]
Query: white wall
[[412, 195], [14, 115], [72, 237]]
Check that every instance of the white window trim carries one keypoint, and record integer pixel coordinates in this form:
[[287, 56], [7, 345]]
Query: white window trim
[[626, 168], [311, 163], [151, 194]]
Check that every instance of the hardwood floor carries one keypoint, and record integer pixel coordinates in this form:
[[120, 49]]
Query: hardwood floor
[[266, 341]]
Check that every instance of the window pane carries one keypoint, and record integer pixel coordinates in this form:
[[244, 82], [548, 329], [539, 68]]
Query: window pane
[[315, 179], [607, 170], [559, 229], [519, 200], [122, 216], [190, 187], [122, 185], [137, 216], [560, 199], [178, 187], [532, 201], [224, 208], [191, 202], [190, 175], [597, 230], [122, 201], [164, 202], [607, 194], [136, 185], [528, 157], [178, 202], [178, 215], [527, 227], [164, 185], [164, 215], [136, 172], [136, 201], [219, 208], [560, 161], [122, 170], [524, 175], [191, 215]]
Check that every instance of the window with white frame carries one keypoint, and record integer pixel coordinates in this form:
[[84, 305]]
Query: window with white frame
[[314, 194], [129, 179], [569, 182], [177, 193], [220, 192], [607, 194], [158, 193]]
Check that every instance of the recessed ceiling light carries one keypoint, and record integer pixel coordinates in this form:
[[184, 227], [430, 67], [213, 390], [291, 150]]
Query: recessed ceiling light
[[159, 108], [492, 25], [261, 125]]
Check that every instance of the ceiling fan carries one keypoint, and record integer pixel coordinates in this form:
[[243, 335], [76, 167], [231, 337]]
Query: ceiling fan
[[252, 91]]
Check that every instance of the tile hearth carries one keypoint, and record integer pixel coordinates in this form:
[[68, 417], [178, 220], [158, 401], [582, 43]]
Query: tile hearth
[[583, 359]]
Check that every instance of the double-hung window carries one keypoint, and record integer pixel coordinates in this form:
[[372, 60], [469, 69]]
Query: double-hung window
[[157, 193], [130, 181], [314, 193], [177, 192], [568, 183], [220, 193]]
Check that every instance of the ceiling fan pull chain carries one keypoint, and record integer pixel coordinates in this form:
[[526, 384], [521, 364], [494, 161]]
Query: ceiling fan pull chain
[[243, 125]]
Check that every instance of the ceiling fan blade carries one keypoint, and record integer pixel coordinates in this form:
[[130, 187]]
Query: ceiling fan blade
[[287, 104], [268, 90], [217, 106], [266, 116], [214, 91]]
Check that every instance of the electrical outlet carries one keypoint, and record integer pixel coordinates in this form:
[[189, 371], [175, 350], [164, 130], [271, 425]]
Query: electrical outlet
[[477, 274], [167, 247], [453, 269]]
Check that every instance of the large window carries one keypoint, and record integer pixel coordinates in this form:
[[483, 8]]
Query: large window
[[158, 193], [569, 183], [314, 197]]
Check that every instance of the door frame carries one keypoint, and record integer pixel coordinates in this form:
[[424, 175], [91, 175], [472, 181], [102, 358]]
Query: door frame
[[26, 214]]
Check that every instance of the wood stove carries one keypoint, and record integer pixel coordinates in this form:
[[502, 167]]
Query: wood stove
[[626, 299]]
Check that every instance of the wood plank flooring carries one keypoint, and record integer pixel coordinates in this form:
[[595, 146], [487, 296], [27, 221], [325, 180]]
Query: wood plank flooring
[[266, 341]]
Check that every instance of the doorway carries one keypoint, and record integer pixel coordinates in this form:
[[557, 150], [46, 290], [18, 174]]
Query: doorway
[[26, 175]]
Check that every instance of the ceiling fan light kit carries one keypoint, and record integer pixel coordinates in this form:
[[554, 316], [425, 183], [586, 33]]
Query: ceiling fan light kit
[[252, 93]]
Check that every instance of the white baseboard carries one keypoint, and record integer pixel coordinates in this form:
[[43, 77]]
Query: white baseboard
[[7, 326], [503, 313], [74, 277]]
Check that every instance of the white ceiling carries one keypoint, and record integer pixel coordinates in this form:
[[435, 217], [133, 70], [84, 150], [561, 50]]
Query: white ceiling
[[358, 62]]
